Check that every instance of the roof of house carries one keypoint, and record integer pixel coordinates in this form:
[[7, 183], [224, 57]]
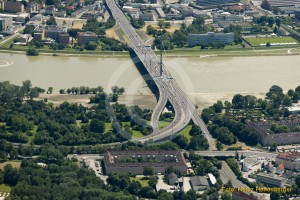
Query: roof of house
[[291, 155], [172, 177], [281, 167], [199, 181]]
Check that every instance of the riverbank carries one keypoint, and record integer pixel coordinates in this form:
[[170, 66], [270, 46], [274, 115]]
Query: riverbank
[[147, 101], [178, 52]]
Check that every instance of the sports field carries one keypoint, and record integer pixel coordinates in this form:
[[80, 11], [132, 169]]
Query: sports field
[[273, 41]]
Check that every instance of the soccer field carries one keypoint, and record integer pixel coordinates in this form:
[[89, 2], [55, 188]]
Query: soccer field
[[273, 40]]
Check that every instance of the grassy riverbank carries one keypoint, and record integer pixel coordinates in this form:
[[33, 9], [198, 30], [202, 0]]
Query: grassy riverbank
[[235, 50]]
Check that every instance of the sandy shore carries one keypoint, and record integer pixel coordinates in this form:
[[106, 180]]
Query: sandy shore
[[146, 101]]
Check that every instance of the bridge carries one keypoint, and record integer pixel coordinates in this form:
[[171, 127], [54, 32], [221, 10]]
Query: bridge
[[169, 91]]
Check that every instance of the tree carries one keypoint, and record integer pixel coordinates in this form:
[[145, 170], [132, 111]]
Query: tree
[[62, 91], [91, 46], [134, 187], [160, 23], [50, 90], [273, 147], [32, 51], [278, 22], [275, 30], [268, 44], [274, 196], [226, 196], [266, 5], [10, 175], [97, 126], [148, 171], [151, 30], [51, 21]]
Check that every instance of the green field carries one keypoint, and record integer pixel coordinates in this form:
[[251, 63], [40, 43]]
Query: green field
[[185, 132], [143, 180], [4, 188], [264, 40]]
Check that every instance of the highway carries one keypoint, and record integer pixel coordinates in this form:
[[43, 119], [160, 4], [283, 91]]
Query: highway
[[169, 89]]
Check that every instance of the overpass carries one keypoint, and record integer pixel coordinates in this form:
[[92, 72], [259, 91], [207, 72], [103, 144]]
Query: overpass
[[169, 91]]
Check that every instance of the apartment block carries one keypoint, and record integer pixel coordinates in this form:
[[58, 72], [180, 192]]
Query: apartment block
[[290, 160], [134, 162], [13, 7], [85, 37]]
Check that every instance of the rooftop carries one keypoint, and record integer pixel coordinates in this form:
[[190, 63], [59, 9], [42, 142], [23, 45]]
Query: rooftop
[[87, 33], [291, 155], [272, 176], [199, 181]]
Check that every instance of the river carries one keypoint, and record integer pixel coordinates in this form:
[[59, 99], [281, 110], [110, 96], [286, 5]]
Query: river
[[213, 76]]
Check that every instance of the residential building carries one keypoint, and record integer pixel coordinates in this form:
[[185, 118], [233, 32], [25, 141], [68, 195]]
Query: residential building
[[64, 38], [39, 36], [210, 37], [267, 137], [13, 7], [289, 159], [5, 23], [270, 179], [199, 183], [59, 13], [49, 10], [85, 37], [147, 16], [239, 195], [174, 16], [134, 162], [280, 169], [32, 7]]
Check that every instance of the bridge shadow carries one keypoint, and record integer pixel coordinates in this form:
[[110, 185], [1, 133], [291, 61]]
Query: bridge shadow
[[146, 76]]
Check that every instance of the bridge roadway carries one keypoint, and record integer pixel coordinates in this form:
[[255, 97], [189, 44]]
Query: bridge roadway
[[168, 88]]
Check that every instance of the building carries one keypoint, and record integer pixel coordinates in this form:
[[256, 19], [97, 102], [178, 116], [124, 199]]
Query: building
[[22, 17], [294, 110], [271, 180], [85, 37], [212, 179], [249, 162], [64, 38], [289, 159], [297, 13], [172, 179], [134, 162], [24, 39], [49, 31], [267, 137], [215, 3], [147, 16], [13, 7], [160, 13], [199, 183], [5, 23], [174, 16], [225, 16], [210, 37], [280, 169], [286, 3], [49, 10], [32, 7], [239, 195]]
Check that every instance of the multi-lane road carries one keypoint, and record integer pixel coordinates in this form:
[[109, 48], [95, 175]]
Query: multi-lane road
[[169, 89]]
